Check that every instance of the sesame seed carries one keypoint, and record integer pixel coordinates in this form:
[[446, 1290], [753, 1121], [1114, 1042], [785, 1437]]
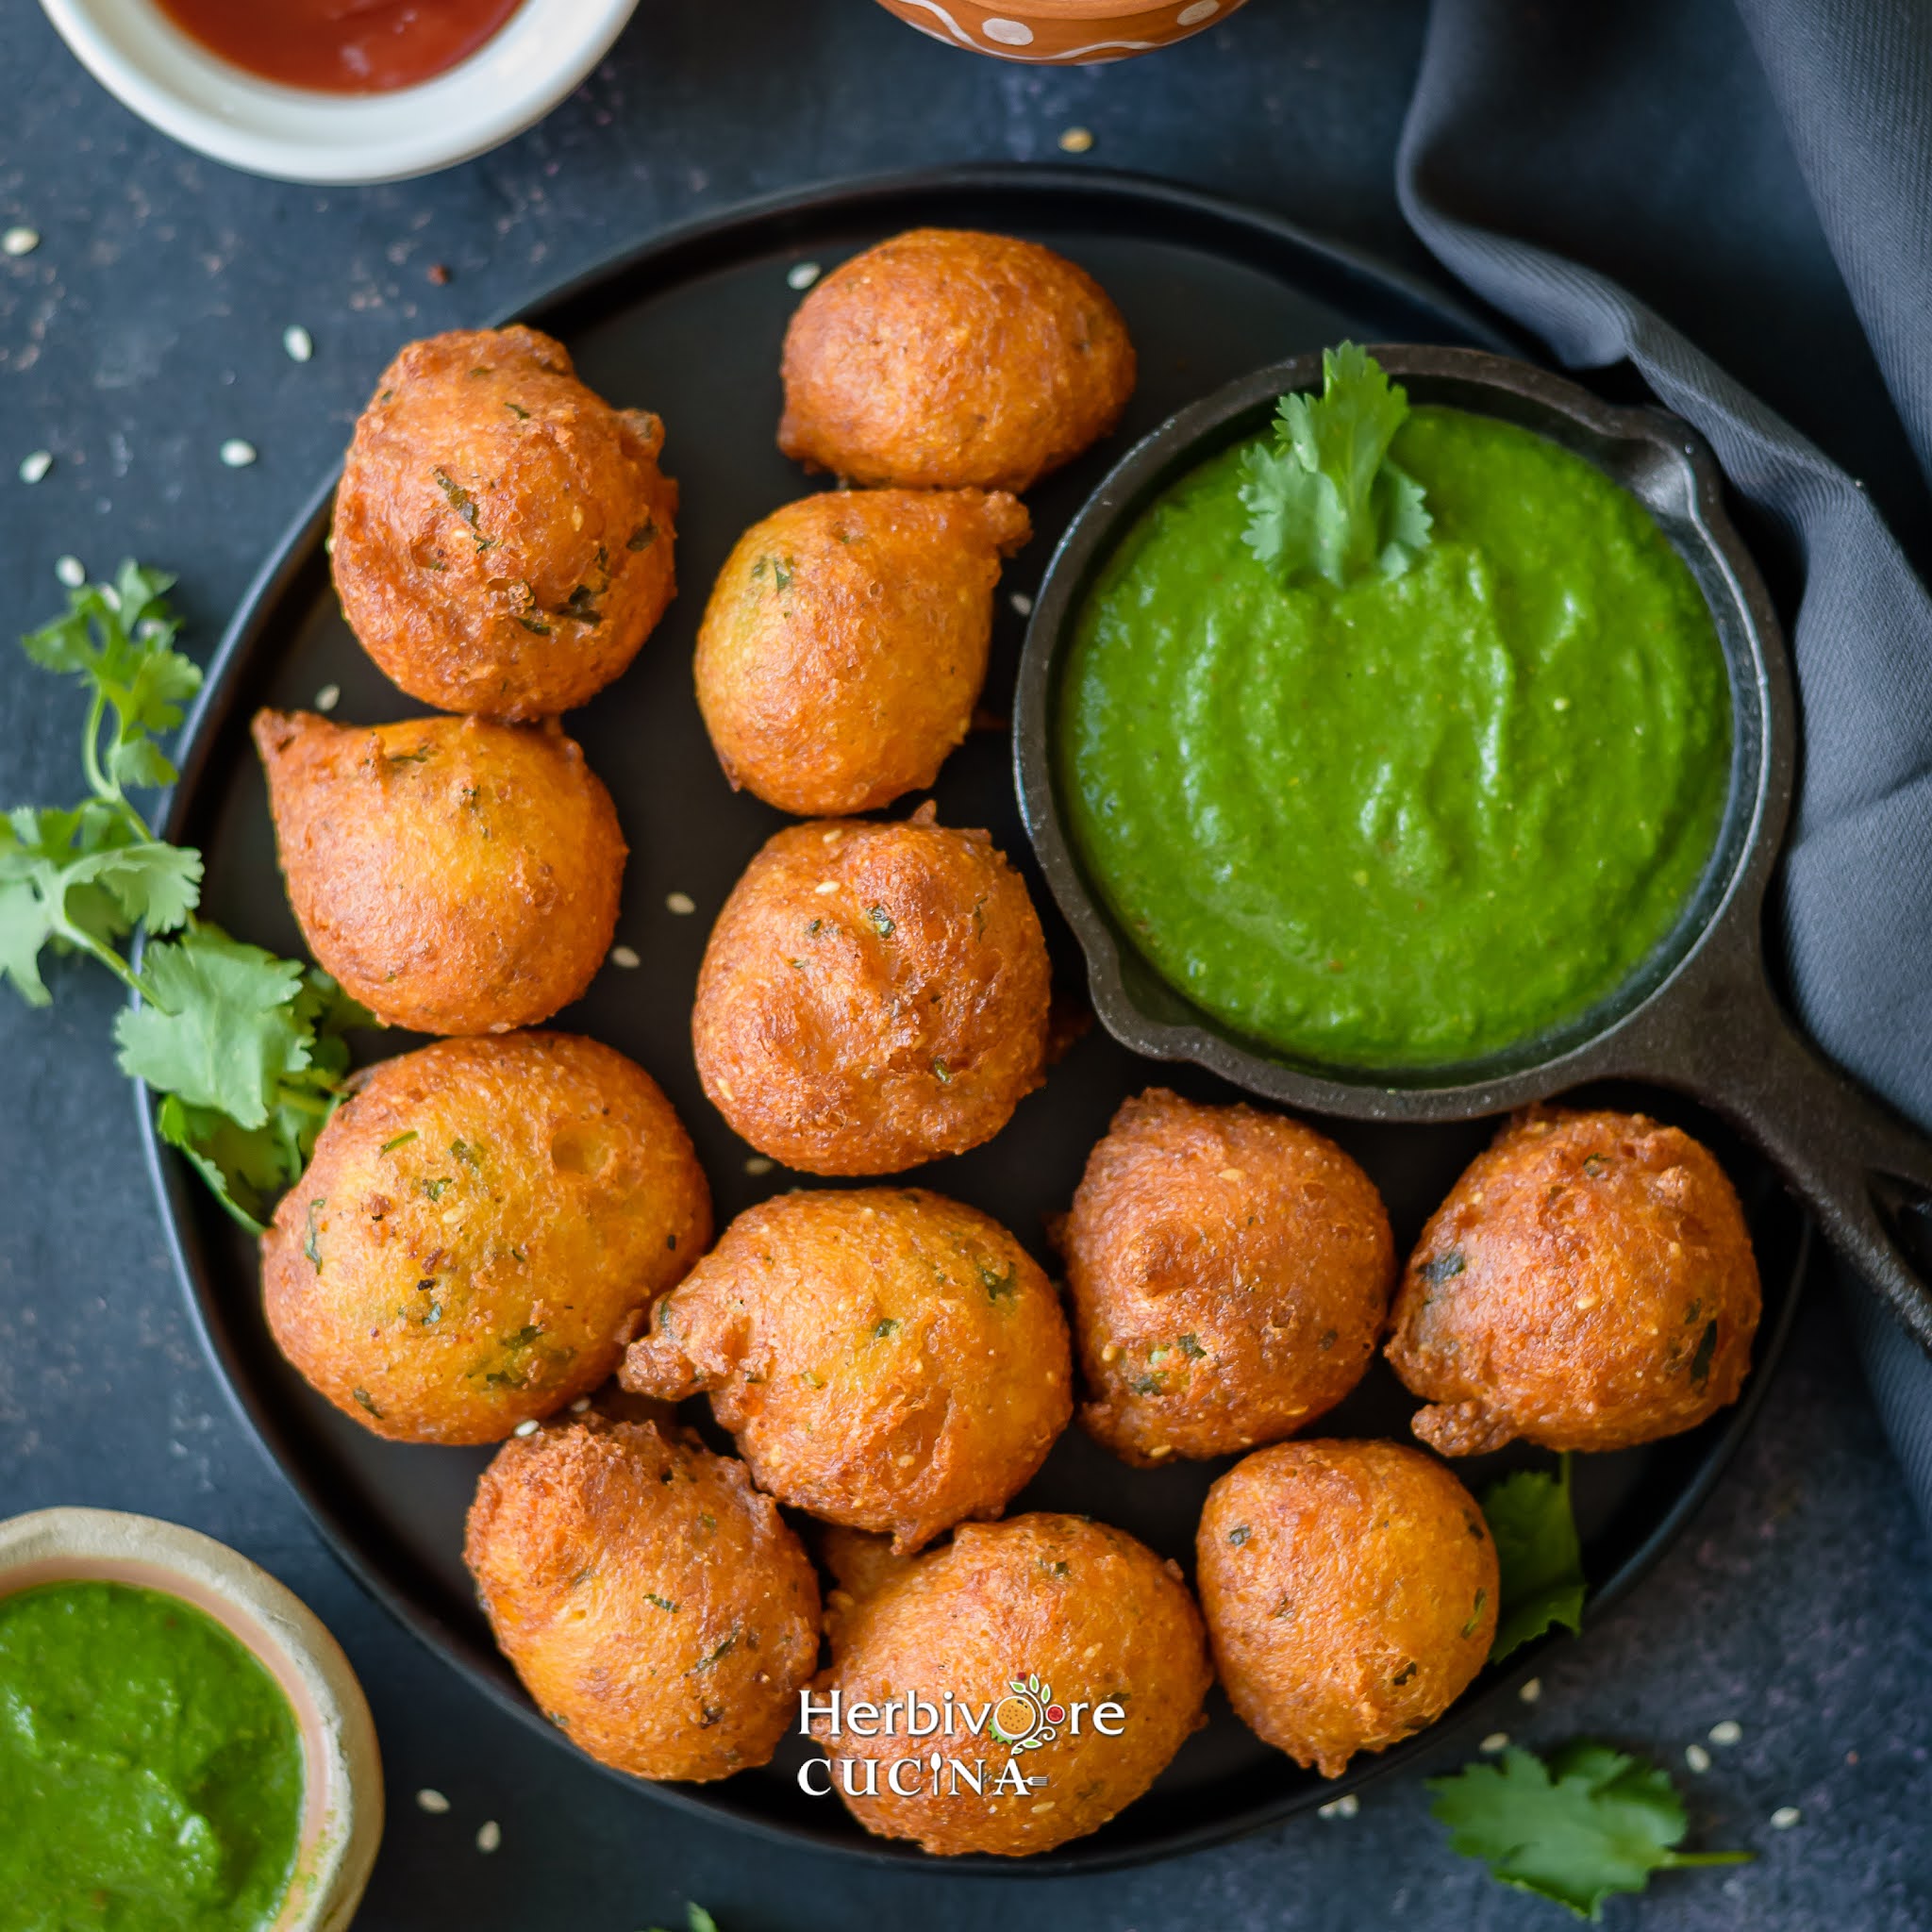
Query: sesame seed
[[1496, 1741], [71, 571], [757, 1164], [1076, 141], [1784, 1816], [36, 466], [298, 343], [20, 241], [1531, 1690], [826, 886], [1229, 1173], [488, 1835], [1729, 1732], [1344, 1806], [680, 902], [1021, 603], [526, 1427], [1697, 1757], [237, 452], [328, 697], [579, 1406], [802, 275], [625, 957], [432, 1802]]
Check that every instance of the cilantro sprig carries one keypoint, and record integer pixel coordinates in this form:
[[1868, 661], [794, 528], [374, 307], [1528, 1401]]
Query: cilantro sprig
[[245, 1050], [1325, 500], [1591, 1822], [1537, 1553]]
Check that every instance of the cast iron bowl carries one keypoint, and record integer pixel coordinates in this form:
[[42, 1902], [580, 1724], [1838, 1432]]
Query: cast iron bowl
[[1699, 1015]]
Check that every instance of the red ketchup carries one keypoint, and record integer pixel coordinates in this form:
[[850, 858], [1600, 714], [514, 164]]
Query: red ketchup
[[342, 46]]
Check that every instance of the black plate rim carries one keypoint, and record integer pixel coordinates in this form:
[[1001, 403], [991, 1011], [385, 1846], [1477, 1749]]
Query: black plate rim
[[851, 199]]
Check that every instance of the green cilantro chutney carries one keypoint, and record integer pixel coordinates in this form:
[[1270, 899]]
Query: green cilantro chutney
[[1416, 818], [151, 1770]]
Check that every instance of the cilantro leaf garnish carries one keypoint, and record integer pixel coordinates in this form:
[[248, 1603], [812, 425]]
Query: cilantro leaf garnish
[[218, 1027], [1325, 500], [1537, 1553], [696, 1918], [1592, 1822], [245, 1050], [79, 880]]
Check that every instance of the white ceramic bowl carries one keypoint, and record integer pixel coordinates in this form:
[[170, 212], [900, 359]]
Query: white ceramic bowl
[[541, 53], [342, 1809]]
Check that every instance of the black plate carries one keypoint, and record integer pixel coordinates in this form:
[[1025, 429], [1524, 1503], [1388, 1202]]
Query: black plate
[[690, 326]]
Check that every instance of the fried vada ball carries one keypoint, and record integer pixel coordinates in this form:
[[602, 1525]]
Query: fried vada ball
[[455, 876], [886, 1357], [1230, 1272], [503, 537], [1351, 1591], [845, 642], [1105, 1626], [1588, 1284], [946, 360], [653, 1603], [482, 1228], [872, 997]]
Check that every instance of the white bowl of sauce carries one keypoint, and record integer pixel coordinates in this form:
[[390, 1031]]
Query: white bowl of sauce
[[340, 91]]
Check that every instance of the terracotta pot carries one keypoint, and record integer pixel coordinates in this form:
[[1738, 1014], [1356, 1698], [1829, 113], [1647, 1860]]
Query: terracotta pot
[[1062, 32]]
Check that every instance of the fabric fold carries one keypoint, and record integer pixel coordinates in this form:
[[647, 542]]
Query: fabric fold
[[1853, 909]]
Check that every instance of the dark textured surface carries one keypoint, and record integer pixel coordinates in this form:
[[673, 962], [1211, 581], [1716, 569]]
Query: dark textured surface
[[147, 329]]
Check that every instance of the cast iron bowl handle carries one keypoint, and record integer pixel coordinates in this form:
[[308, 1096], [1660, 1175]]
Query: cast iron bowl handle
[[1864, 1171]]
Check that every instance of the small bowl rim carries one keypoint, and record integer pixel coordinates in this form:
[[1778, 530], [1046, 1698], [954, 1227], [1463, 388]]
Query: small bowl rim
[[1163, 22], [540, 55], [1077, 13], [343, 1785], [1719, 922]]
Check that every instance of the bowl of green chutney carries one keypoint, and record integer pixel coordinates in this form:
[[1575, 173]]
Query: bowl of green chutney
[[1452, 836], [186, 1744]]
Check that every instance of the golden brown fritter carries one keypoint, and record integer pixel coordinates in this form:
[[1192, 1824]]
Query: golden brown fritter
[[948, 359], [1588, 1284], [483, 1226], [503, 537], [1350, 1589], [1230, 1272], [845, 642], [455, 876], [886, 1357], [872, 997], [862, 1565], [1106, 1630], [655, 1605]]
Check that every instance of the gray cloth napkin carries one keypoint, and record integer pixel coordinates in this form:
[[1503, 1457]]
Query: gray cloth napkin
[[1852, 81]]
